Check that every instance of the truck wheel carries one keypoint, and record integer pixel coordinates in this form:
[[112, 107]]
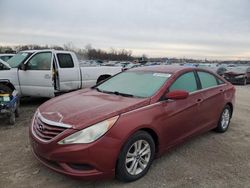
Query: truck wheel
[[12, 118]]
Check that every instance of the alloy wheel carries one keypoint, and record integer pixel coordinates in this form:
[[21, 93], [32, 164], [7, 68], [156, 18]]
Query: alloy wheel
[[225, 118], [138, 157]]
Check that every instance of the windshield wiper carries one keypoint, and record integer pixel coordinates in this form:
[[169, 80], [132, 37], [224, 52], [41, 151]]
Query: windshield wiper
[[97, 89], [122, 94], [114, 92]]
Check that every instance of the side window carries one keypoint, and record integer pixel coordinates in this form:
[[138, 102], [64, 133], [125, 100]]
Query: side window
[[207, 80], [65, 61], [185, 82], [6, 58], [40, 61], [221, 81]]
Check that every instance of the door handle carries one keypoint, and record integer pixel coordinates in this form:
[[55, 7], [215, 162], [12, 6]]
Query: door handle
[[47, 76], [199, 100], [222, 90]]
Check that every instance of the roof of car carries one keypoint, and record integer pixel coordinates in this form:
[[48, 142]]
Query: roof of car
[[46, 50], [163, 68], [7, 54]]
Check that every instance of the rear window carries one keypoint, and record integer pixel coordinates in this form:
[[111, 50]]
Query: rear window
[[65, 60], [221, 81], [207, 80]]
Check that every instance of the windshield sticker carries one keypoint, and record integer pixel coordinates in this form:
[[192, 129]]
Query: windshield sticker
[[162, 75]]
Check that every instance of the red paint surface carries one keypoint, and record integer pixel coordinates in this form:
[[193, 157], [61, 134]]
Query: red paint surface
[[171, 121]]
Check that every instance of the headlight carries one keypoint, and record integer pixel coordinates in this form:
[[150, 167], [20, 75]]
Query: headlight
[[240, 76], [90, 134]]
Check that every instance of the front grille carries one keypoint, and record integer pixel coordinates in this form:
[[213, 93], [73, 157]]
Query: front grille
[[45, 131], [83, 167]]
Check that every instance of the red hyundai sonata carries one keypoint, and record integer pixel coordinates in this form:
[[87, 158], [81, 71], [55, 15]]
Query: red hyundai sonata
[[119, 126]]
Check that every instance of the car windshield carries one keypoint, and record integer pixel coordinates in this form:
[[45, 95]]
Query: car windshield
[[19, 58], [134, 84]]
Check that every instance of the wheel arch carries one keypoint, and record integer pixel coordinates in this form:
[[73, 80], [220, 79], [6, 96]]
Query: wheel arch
[[8, 84], [102, 78], [154, 135], [231, 107], [148, 130]]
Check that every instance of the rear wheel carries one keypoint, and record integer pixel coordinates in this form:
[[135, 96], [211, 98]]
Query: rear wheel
[[244, 82], [224, 121], [136, 157]]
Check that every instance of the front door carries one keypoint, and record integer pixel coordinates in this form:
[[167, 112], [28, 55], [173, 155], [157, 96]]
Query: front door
[[180, 117], [36, 79]]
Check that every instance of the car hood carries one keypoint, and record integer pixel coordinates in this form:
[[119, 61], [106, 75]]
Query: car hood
[[86, 107]]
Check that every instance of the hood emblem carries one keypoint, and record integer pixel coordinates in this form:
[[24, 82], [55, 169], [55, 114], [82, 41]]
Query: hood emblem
[[41, 127]]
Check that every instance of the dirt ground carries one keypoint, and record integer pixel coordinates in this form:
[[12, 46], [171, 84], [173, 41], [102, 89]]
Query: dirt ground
[[210, 160]]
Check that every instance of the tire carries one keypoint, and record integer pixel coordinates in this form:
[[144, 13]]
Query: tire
[[244, 82], [224, 120], [138, 163], [17, 114], [12, 118]]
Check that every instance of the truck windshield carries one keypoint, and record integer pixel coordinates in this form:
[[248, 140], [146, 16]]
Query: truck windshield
[[19, 58], [137, 84]]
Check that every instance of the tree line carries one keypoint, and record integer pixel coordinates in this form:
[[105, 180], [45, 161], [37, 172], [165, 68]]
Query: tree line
[[88, 52]]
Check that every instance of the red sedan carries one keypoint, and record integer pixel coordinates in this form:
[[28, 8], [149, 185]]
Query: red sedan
[[119, 126]]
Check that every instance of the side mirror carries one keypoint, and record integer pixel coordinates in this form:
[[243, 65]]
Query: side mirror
[[177, 94], [22, 67]]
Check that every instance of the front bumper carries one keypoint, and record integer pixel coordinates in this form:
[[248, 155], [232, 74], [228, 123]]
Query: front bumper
[[86, 161], [5, 111], [64, 168], [235, 80]]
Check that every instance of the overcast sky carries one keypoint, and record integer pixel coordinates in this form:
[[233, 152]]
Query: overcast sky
[[213, 29]]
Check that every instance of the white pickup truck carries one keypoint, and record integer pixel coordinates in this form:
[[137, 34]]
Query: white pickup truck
[[46, 73]]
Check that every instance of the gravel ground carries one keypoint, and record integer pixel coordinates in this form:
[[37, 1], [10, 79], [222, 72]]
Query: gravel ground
[[210, 160]]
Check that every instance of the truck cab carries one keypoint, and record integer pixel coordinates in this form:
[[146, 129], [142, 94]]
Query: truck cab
[[46, 73]]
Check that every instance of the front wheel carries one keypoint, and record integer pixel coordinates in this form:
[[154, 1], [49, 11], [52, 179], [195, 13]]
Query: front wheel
[[12, 118], [136, 157], [224, 121], [17, 113], [244, 82]]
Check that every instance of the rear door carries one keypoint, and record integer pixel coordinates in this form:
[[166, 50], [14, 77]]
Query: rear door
[[213, 93], [36, 78], [68, 72], [180, 117]]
